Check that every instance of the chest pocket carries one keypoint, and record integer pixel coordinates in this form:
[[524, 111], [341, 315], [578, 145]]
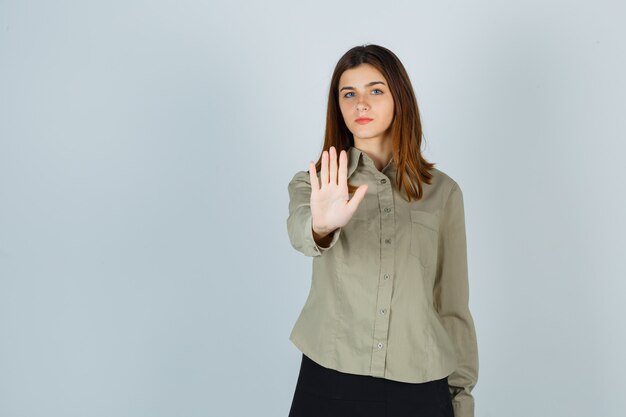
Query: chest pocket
[[424, 237]]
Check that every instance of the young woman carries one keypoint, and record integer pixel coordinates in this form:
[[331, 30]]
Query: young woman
[[386, 330]]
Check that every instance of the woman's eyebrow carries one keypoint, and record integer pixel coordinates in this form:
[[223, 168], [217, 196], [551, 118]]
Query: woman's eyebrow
[[366, 85]]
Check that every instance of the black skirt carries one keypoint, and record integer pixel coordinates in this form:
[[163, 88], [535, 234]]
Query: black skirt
[[325, 392]]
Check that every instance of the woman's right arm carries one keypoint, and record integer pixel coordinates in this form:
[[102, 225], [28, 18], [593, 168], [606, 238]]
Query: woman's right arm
[[327, 199]]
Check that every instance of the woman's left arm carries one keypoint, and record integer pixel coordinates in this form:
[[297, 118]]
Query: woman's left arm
[[451, 296]]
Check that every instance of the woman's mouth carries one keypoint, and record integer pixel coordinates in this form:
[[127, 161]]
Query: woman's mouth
[[363, 120]]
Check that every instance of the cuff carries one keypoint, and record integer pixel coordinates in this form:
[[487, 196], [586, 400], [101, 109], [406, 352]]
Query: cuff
[[315, 249], [463, 405]]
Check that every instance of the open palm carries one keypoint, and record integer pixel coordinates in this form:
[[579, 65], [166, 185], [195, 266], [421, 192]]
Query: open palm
[[330, 207]]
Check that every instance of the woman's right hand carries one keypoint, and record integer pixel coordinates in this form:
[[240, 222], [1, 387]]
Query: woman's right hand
[[330, 207]]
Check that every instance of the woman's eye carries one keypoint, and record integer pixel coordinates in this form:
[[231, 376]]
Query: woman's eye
[[376, 89]]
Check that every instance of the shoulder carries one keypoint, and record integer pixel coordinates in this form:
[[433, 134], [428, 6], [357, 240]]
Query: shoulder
[[442, 177], [443, 184], [443, 180], [300, 183], [300, 176]]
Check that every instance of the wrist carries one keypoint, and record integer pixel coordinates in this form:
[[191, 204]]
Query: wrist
[[321, 232]]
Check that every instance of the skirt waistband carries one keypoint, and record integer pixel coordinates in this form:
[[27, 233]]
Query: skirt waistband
[[330, 383]]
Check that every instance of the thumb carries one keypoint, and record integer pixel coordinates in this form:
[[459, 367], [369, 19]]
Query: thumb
[[358, 196]]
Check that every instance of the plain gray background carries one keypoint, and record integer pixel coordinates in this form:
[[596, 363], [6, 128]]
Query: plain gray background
[[145, 151]]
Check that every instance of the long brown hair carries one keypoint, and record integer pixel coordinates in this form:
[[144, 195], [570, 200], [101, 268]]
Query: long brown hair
[[406, 127]]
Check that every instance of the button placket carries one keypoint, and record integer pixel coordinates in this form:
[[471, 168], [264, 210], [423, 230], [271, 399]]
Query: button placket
[[387, 233]]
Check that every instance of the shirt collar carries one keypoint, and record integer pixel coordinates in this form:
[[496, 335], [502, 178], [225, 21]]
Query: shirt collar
[[355, 155]]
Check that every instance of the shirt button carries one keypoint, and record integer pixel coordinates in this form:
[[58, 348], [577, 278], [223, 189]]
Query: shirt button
[[386, 276], [380, 345], [387, 240], [383, 181], [387, 209], [383, 311]]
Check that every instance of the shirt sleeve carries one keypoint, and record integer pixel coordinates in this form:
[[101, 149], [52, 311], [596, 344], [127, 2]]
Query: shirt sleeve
[[451, 297], [299, 221]]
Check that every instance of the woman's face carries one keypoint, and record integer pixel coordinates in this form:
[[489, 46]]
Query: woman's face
[[364, 92]]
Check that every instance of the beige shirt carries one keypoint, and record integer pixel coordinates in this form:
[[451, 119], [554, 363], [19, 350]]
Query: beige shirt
[[389, 295]]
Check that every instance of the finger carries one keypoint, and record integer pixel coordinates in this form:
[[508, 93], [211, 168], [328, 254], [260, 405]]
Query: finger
[[333, 165], [358, 196], [343, 168], [315, 186], [324, 179]]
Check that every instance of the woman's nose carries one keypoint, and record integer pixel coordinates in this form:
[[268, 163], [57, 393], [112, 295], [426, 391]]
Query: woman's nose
[[361, 105]]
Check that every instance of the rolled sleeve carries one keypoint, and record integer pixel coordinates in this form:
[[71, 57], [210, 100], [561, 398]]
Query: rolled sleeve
[[451, 296], [300, 220]]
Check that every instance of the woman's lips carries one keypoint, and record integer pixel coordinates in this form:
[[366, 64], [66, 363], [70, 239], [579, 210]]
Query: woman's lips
[[363, 121]]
